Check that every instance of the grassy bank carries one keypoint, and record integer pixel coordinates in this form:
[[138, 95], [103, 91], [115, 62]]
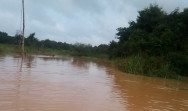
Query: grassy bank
[[149, 66], [14, 49], [9, 49]]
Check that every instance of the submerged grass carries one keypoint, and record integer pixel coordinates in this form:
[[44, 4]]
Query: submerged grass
[[12, 49], [9, 49], [149, 66], [132, 64], [46, 51]]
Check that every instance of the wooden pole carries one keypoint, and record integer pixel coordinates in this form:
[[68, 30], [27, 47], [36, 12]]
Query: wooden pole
[[23, 27]]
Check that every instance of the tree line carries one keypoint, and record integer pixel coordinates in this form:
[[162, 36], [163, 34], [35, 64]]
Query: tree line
[[78, 49]]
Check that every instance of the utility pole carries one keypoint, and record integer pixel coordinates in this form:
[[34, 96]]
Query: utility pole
[[23, 26]]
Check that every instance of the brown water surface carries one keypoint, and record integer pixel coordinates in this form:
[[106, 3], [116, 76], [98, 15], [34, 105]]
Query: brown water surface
[[77, 84]]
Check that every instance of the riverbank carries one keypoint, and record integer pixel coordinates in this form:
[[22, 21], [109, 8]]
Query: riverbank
[[171, 67], [147, 66], [12, 49]]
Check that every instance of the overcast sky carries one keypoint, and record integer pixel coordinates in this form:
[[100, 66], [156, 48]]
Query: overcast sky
[[86, 21]]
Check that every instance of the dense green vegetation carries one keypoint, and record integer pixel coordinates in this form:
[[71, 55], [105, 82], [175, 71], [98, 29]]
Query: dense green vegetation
[[156, 44]]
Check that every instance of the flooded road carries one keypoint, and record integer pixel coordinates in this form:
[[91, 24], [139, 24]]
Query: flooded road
[[77, 84]]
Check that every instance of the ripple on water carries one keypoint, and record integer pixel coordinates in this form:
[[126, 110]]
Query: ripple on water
[[77, 84]]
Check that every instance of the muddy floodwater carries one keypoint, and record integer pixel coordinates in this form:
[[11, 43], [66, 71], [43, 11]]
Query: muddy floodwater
[[77, 84]]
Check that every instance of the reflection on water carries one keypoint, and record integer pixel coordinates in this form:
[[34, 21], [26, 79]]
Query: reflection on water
[[77, 84]]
